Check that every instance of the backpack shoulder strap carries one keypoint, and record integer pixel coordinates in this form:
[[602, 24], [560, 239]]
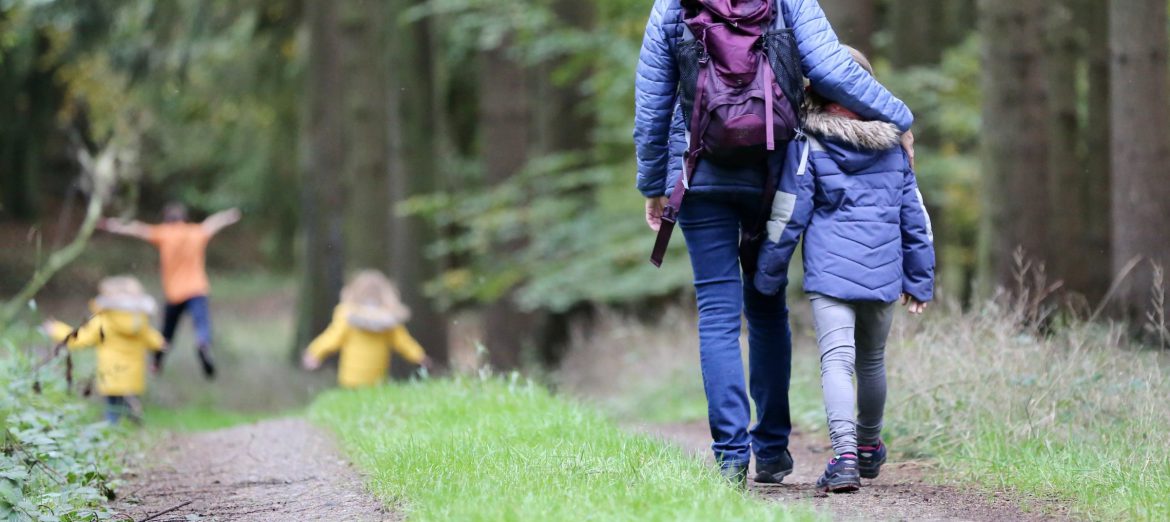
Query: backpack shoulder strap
[[778, 21]]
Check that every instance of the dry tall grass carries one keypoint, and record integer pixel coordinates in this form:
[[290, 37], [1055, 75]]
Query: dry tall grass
[[1076, 413]]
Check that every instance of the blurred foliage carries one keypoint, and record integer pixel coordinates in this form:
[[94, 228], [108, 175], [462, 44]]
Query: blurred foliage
[[207, 90], [208, 94], [577, 211], [56, 463]]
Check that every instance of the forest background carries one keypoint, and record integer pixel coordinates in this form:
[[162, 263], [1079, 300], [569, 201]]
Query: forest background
[[480, 153]]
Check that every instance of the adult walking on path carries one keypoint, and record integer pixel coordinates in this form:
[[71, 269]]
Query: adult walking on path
[[724, 200], [182, 248]]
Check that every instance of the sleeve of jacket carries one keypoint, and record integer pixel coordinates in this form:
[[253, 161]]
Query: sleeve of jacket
[[792, 210], [88, 335], [833, 72], [330, 341], [154, 340], [406, 346], [917, 243], [655, 88]]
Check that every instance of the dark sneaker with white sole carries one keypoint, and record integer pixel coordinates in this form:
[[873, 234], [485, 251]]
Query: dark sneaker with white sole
[[774, 472], [870, 460], [841, 475]]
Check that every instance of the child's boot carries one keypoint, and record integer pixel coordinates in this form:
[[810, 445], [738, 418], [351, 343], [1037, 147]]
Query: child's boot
[[870, 460], [841, 475], [206, 361]]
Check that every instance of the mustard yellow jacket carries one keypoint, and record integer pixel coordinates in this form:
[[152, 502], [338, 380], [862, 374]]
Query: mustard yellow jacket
[[365, 353], [122, 340]]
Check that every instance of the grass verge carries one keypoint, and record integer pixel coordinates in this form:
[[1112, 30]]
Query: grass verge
[[1073, 415], [473, 449]]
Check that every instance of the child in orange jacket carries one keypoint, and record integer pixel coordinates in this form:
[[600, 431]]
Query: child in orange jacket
[[367, 326], [120, 331]]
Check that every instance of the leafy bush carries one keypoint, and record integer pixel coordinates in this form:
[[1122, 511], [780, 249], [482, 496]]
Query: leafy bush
[[55, 462]]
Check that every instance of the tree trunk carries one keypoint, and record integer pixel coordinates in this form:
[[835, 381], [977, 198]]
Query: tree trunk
[[1015, 146], [921, 30], [1065, 45], [414, 142], [505, 119], [1141, 148], [1094, 188], [322, 196], [854, 21], [367, 111]]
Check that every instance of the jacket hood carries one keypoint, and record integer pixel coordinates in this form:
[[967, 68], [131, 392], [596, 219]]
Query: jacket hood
[[125, 323], [852, 143], [143, 304], [371, 318]]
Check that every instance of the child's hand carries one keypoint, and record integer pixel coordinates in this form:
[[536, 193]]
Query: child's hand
[[309, 362], [427, 363], [47, 326], [914, 306]]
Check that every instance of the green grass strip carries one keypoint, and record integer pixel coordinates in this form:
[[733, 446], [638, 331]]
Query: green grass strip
[[489, 450]]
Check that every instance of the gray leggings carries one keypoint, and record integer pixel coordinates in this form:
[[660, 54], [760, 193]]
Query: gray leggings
[[852, 335]]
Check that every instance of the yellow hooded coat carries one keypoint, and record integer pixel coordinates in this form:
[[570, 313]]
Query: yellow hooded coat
[[122, 339], [365, 347]]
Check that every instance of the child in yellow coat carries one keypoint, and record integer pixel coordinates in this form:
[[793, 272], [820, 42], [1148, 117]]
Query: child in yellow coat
[[367, 326], [120, 331]]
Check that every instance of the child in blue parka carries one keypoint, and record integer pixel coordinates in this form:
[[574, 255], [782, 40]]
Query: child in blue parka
[[848, 189]]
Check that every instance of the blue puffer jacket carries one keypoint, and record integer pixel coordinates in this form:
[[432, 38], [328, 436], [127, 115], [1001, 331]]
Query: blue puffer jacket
[[658, 128], [849, 190]]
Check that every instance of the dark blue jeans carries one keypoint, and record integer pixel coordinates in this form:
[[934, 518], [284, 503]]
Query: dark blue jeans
[[711, 225], [200, 316]]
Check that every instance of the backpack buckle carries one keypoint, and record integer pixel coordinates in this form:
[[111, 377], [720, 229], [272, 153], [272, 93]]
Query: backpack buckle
[[670, 214]]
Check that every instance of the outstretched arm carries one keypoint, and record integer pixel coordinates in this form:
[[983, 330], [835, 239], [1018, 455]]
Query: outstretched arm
[[131, 228], [221, 220]]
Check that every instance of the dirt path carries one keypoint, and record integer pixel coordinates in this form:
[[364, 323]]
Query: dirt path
[[901, 493], [276, 470]]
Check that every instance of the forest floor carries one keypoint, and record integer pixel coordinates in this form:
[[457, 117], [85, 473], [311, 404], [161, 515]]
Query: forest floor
[[901, 493], [277, 470]]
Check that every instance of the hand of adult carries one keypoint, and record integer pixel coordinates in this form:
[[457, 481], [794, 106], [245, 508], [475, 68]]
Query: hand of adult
[[654, 208], [908, 145]]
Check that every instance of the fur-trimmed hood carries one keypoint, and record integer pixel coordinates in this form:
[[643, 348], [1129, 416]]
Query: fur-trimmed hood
[[372, 318], [856, 133], [143, 304]]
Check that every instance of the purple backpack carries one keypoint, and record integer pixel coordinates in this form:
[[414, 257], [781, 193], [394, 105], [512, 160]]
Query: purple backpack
[[739, 87]]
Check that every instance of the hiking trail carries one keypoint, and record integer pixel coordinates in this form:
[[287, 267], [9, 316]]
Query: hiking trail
[[276, 470], [901, 493]]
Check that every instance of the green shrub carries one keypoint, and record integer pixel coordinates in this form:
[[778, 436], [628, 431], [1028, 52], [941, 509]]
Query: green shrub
[[55, 462]]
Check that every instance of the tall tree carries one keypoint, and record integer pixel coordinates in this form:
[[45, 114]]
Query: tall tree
[[1141, 147], [1015, 144], [1073, 182], [505, 129], [322, 196], [1094, 188], [415, 141], [365, 130], [854, 21]]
